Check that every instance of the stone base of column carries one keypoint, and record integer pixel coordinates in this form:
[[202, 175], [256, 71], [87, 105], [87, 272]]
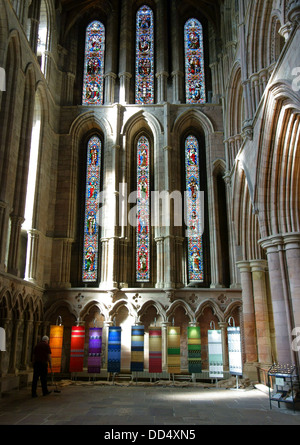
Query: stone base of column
[[251, 371]]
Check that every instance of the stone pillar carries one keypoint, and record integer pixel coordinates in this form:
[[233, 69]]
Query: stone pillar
[[274, 247], [106, 325], [14, 344], [233, 268], [111, 57], [125, 50], [177, 59], [169, 262], [292, 252], [36, 327], [162, 78], [25, 345], [179, 265], [45, 329], [161, 52], [159, 263], [15, 233], [164, 326], [66, 262], [32, 255], [3, 234], [4, 324], [124, 95], [258, 269], [104, 253], [109, 90], [177, 89], [223, 326], [248, 312]]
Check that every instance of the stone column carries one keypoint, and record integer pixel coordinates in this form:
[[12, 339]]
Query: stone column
[[111, 57], [111, 263], [233, 268], [25, 345], [14, 343], [32, 255], [66, 262], [292, 252], [106, 325], [169, 261], [164, 330], [274, 247], [179, 265], [4, 324], [3, 234], [109, 90], [162, 78], [258, 269], [124, 95], [177, 62], [248, 312], [36, 327], [45, 329], [177, 89], [15, 233], [126, 52], [104, 253], [223, 326], [159, 263]]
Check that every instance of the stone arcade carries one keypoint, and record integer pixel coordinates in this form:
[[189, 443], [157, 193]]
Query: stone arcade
[[169, 94]]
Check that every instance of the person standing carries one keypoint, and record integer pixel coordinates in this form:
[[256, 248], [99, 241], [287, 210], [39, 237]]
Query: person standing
[[41, 358]]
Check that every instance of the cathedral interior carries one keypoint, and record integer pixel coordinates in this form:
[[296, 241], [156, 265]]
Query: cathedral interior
[[149, 177]]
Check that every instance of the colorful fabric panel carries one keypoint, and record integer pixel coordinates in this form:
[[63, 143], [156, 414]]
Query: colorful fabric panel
[[95, 349], [137, 348]]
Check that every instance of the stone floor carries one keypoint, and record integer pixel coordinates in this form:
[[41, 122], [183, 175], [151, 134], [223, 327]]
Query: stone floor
[[119, 405]]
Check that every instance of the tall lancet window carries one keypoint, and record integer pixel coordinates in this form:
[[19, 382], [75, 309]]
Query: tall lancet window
[[193, 210], [94, 64], [91, 228], [194, 62], [144, 82], [143, 211]]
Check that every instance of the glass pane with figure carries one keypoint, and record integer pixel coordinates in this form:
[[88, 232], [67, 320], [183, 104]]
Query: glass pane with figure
[[94, 64]]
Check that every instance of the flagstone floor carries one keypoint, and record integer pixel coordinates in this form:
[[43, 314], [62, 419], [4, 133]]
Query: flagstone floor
[[114, 406]]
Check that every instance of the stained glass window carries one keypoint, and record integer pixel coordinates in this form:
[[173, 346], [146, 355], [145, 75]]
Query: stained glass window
[[144, 83], [91, 228], [193, 211], [143, 211], [194, 62], [94, 64]]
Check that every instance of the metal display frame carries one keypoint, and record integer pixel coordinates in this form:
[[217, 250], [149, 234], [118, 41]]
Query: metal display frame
[[286, 384]]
